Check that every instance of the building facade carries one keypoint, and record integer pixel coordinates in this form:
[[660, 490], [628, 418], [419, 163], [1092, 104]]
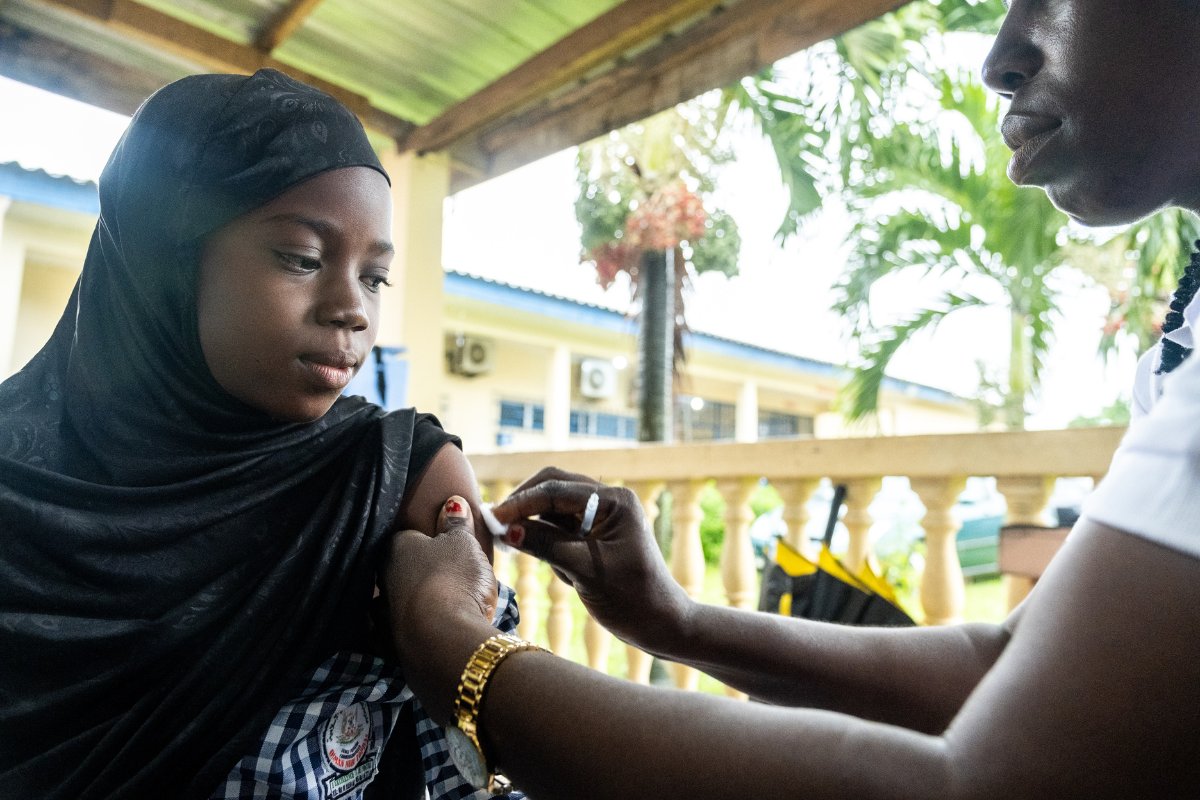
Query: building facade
[[522, 370]]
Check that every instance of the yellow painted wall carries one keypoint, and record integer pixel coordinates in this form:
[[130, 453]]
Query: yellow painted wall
[[44, 294]]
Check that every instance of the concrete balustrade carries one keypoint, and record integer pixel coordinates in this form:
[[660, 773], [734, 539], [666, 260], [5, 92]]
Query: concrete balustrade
[[1025, 465]]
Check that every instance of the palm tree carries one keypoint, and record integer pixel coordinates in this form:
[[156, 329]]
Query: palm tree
[[645, 211], [815, 129], [820, 115], [935, 200], [1140, 266]]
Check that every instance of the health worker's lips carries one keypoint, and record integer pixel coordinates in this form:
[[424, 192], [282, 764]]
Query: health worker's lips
[[1026, 135], [332, 370]]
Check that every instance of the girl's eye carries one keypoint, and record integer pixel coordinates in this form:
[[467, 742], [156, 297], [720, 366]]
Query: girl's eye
[[374, 282], [298, 263]]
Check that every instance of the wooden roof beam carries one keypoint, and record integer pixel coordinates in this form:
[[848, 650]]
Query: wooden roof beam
[[612, 34], [216, 53], [61, 68], [716, 52], [283, 24]]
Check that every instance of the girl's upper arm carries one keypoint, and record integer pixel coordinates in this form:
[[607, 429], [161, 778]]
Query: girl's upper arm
[[448, 473]]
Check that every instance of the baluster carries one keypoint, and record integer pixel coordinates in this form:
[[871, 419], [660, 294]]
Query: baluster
[[501, 558], [860, 493], [687, 557], [942, 590], [502, 563], [529, 595], [638, 661], [739, 573], [1027, 497], [559, 622], [597, 641], [795, 494]]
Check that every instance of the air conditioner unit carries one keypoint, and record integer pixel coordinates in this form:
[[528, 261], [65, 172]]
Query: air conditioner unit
[[469, 355], [597, 378]]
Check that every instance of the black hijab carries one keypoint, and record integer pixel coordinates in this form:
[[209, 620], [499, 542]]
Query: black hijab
[[173, 564]]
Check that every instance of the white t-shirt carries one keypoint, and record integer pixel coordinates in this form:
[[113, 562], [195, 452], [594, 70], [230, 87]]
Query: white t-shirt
[[1153, 486]]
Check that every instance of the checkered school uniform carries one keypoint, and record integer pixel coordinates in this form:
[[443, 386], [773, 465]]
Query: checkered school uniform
[[326, 743]]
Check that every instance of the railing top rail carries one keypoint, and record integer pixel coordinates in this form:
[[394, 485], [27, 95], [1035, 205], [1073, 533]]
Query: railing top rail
[[1082, 451]]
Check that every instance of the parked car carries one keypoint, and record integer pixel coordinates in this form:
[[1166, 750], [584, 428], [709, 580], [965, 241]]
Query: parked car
[[897, 513]]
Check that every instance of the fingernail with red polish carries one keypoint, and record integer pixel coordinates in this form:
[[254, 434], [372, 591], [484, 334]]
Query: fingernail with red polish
[[516, 535]]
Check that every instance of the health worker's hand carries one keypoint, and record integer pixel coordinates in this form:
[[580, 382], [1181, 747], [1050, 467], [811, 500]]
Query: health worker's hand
[[441, 597], [615, 567]]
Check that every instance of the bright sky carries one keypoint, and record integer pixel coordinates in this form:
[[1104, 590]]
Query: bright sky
[[520, 228]]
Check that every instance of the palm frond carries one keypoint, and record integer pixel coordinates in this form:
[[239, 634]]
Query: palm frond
[[859, 398]]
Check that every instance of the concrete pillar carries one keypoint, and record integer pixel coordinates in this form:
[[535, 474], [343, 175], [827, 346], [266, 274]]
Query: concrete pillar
[[558, 399], [413, 309], [639, 662], [860, 493], [12, 272], [746, 415], [942, 591], [687, 556], [739, 573], [796, 493], [1027, 498]]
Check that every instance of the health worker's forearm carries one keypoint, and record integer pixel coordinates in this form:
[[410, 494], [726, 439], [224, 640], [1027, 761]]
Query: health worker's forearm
[[917, 678]]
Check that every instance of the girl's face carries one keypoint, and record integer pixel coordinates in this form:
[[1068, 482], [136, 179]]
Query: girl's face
[[1105, 108], [288, 294]]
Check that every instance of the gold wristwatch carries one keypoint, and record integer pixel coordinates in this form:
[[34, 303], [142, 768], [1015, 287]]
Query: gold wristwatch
[[463, 738]]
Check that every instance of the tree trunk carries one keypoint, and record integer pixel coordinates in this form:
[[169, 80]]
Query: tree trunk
[[656, 345], [1020, 368], [656, 361]]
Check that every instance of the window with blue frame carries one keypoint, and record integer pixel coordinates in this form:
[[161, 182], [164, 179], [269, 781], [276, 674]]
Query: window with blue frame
[[602, 424], [699, 420], [776, 424], [525, 416]]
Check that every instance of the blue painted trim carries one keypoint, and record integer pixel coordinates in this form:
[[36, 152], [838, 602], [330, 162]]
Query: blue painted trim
[[39, 186], [531, 301]]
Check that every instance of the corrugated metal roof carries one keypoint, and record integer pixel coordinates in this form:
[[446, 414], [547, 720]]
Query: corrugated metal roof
[[495, 84], [410, 58]]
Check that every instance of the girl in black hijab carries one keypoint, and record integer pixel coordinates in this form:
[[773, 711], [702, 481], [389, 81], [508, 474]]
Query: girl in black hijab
[[190, 515]]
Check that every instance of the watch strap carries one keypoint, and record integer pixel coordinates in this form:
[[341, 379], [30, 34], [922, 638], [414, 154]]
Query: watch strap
[[471, 687]]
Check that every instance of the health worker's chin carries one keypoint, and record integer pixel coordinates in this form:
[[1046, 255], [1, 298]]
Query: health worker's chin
[[1099, 206]]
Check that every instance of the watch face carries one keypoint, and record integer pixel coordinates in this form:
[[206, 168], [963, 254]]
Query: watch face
[[466, 757]]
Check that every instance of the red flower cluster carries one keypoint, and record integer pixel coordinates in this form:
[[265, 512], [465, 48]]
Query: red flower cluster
[[671, 215], [611, 258]]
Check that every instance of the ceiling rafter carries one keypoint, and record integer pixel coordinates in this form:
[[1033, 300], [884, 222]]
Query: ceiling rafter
[[64, 69], [283, 24], [636, 59], [609, 36], [214, 52], [717, 51]]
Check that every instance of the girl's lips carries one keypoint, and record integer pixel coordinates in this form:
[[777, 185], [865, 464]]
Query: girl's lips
[[327, 375]]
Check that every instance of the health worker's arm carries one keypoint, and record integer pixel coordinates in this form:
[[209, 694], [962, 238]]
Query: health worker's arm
[[915, 678], [1096, 695]]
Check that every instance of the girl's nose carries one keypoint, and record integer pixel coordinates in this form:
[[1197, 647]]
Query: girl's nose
[[342, 303]]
